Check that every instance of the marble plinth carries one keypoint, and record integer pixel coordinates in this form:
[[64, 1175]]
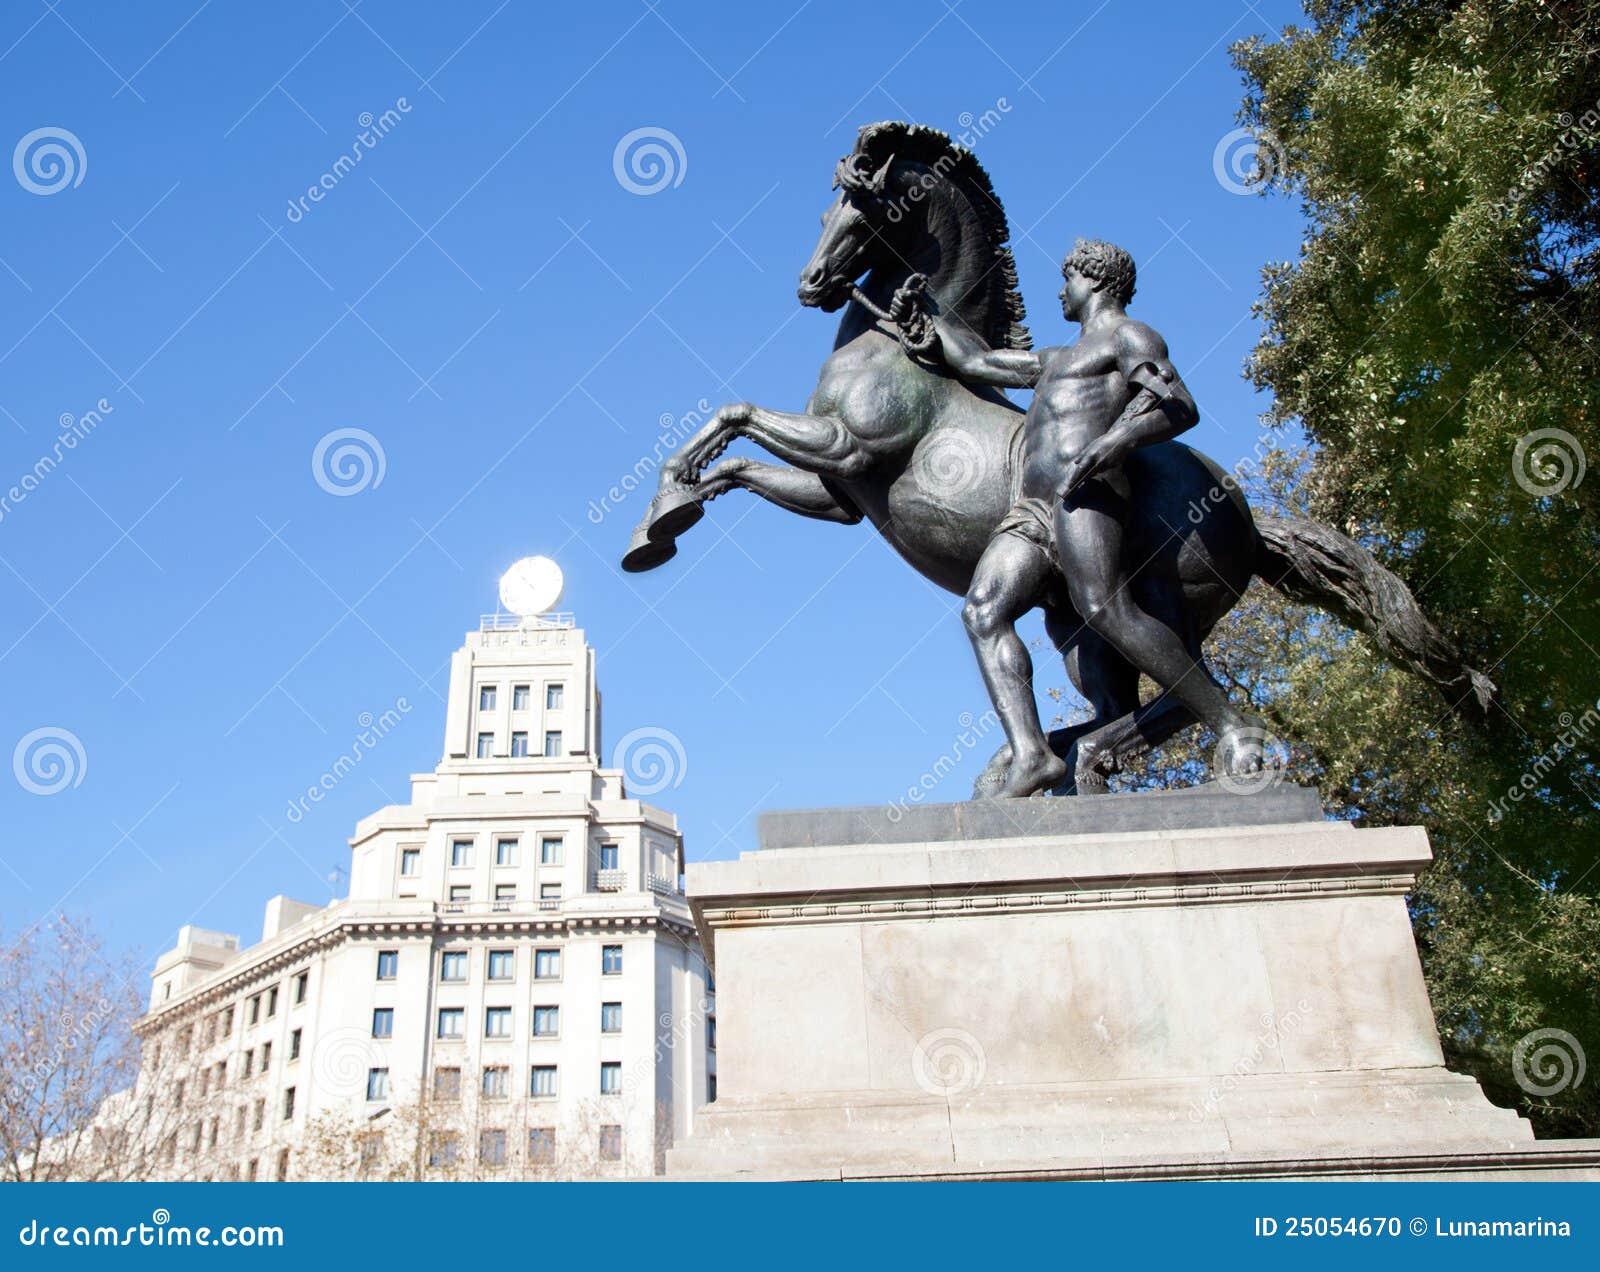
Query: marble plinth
[[1195, 984]]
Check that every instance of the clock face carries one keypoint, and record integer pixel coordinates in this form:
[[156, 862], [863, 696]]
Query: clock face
[[531, 586]]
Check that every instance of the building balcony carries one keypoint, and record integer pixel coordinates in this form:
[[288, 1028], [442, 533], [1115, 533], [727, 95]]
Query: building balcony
[[610, 880]]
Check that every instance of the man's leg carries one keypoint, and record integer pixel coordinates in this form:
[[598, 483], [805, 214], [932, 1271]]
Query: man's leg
[[1004, 587], [1089, 534]]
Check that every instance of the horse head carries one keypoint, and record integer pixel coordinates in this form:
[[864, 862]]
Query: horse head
[[910, 202]]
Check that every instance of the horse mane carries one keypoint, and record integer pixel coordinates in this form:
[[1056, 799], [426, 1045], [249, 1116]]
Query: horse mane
[[922, 144]]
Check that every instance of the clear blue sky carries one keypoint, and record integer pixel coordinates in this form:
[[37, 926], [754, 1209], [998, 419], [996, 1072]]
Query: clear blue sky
[[485, 298]]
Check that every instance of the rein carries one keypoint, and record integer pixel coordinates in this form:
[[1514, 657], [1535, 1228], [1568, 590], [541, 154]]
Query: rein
[[908, 313]]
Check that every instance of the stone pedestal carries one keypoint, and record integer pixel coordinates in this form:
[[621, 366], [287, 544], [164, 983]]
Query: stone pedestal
[[1188, 984]]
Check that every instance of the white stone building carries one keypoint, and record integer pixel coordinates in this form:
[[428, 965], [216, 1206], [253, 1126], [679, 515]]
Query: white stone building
[[512, 988]]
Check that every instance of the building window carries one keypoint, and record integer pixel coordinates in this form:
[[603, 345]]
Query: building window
[[611, 1077], [294, 1044], [460, 893], [611, 1143], [486, 696], [301, 983], [711, 1088], [505, 852], [554, 697], [549, 896], [504, 895], [260, 1118], [447, 1083], [255, 1009], [519, 697], [444, 1147], [453, 965], [502, 965], [272, 1002], [552, 743], [369, 1147], [608, 856], [711, 1033], [377, 1084], [547, 964], [544, 1080], [383, 1022], [550, 850], [452, 1023], [485, 745], [460, 853], [497, 1022], [611, 960], [410, 861], [288, 1103], [541, 1145], [249, 1063], [227, 1021], [519, 745], [266, 1056], [388, 964], [546, 1022], [496, 1082], [611, 1018], [492, 1148]]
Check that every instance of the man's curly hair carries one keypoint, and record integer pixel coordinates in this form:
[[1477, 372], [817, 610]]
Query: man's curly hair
[[1106, 263]]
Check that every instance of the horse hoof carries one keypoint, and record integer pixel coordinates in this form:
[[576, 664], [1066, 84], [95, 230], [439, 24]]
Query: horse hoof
[[671, 513], [645, 553]]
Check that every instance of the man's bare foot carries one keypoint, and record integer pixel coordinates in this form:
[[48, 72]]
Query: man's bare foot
[[1030, 774]]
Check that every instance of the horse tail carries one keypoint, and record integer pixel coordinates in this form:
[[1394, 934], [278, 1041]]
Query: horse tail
[[1315, 564]]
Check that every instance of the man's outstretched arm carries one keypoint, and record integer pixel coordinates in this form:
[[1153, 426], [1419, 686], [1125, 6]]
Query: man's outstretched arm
[[971, 359]]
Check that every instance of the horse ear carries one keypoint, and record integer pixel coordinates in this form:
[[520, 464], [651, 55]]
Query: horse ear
[[880, 178]]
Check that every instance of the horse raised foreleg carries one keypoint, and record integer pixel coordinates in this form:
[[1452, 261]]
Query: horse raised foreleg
[[817, 445]]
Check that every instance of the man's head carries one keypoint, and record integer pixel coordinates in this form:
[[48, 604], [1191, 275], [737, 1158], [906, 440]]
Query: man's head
[[1094, 266]]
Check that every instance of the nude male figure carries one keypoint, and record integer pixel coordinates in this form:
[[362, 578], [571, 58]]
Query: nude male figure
[[1094, 401]]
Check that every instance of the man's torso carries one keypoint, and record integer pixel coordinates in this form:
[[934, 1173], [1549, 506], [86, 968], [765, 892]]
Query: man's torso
[[1080, 394]]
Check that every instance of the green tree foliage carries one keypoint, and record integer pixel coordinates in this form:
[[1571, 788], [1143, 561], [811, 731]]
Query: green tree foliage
[[1442, 309]]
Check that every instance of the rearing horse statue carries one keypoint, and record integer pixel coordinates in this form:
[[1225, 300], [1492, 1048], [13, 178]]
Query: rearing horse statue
[[931, 461]]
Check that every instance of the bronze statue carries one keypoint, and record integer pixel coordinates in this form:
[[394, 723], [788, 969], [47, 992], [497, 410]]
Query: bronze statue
[[1133, 544]]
